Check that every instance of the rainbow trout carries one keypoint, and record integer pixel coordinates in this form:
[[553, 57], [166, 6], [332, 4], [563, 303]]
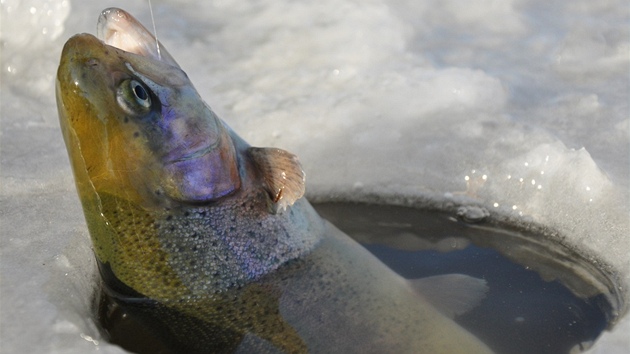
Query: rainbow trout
[[210, 238]]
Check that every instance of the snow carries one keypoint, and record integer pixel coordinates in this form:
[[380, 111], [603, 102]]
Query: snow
[[519, 106]]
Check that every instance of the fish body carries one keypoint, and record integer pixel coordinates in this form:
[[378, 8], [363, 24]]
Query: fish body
[[211, 237]]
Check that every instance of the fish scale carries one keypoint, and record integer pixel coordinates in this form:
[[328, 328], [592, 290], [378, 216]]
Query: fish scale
[[232, 253]]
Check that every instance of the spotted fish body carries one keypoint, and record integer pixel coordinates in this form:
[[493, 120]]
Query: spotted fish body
[[211, 237]]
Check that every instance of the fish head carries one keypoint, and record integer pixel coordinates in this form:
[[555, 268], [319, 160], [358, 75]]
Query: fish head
[[134, 125]]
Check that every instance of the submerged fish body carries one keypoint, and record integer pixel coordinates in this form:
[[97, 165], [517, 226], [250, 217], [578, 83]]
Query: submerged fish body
[[210, 236]]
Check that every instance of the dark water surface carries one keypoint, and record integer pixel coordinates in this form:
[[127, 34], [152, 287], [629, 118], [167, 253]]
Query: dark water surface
[[543, 298], [522, 313]]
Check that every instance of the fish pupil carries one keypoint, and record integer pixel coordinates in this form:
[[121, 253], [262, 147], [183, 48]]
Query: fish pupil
[[140, 92]]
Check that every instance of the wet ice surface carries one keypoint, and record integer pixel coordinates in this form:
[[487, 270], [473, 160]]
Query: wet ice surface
[[519, 106]]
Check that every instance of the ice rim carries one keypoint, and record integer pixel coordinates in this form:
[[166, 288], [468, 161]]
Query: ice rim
[[585, 277]]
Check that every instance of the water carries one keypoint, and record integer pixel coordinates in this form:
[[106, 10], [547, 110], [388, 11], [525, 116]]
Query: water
[[556, 310], [524, 311]]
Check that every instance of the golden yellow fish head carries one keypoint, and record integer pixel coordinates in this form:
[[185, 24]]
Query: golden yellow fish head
[[136, 128]]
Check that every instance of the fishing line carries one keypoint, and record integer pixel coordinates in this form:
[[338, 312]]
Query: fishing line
[[157, 43]]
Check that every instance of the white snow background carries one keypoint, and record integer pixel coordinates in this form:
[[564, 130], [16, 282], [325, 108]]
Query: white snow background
[[521, 106]]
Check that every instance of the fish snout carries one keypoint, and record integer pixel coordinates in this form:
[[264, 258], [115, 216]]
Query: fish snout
[[81, 56], [81, 46]]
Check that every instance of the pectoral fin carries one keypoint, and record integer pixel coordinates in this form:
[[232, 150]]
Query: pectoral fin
[[451, 294], [282, 175]]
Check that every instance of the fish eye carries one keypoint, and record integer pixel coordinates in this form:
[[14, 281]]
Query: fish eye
[[133, 97]]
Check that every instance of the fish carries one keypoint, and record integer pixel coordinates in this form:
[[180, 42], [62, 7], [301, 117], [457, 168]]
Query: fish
[[211, 241]]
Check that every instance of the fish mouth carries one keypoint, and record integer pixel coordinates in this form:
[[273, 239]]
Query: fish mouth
[[119, 29]]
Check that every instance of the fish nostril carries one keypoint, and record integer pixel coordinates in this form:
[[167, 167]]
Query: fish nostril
[[92, 62]]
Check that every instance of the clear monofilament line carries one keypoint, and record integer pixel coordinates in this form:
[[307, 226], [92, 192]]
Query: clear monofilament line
[[157, 43]]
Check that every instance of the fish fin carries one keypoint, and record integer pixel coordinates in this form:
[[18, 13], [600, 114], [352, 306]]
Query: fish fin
[[282, 176], [451, 294]]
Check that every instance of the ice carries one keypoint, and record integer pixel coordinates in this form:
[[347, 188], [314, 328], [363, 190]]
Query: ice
[[520, 107]]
